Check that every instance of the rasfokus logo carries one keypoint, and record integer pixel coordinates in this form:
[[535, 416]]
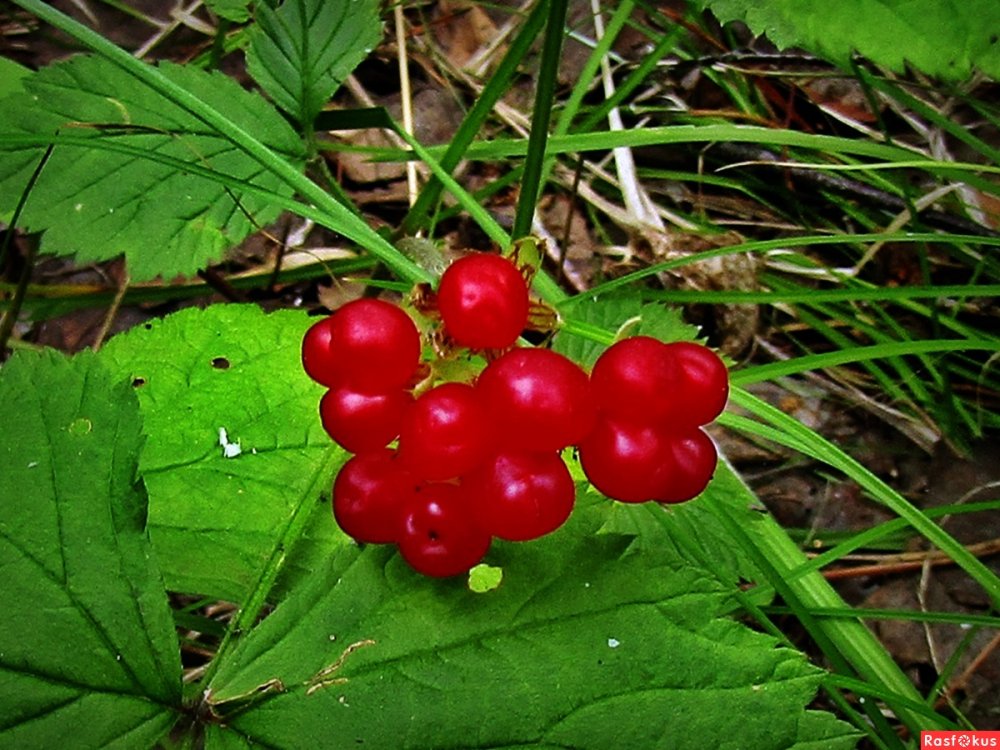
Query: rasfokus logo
[[961, 739]]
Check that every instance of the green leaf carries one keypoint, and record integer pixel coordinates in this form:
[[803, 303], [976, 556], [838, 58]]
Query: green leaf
[[588, 642], [302, 51], [217, 514], [11, 76], [87, 648], [945, 39], [236, 11], [117, 182], [623, 313]]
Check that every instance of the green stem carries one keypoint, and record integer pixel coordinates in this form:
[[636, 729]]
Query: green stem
[[534, 163]]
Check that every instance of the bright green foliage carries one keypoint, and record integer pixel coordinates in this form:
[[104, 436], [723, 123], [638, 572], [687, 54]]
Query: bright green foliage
[[302, 51], [590, 637], [11, 75], [231, 10], [945, 39], [623, 314], [129, 182], [88, 654], [588, 642], [236, 369]]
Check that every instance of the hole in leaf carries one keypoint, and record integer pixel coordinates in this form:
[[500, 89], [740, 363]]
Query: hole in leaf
[[138, 382], [220, 363]]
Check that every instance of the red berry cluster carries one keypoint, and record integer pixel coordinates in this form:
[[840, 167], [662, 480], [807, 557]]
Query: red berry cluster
[[441, 468]]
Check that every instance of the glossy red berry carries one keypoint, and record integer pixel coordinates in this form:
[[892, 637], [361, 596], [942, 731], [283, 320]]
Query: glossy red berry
[[368, 344], [444, 433], [360, 421], [693, 459], [538, 400], [627, 461], [703, 386], [637, 379], [439, 538], [483, 300], [520, 496], [369, 496], [317, 359]]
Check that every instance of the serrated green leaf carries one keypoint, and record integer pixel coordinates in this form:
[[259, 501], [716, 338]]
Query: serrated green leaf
[[303, 50], [588, 642], [87, 648], [945, 39], [624, 313], [691, 530], [11, 75], [216, 513], [97, 204]]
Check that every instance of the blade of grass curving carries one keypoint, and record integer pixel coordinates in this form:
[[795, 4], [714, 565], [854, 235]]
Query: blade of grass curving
[[534, 164], [335, 216], [848, 644], [870, 537], [762, 246], [783, 427], [960, 619], [472, 123], [810, 294], [806, 363]]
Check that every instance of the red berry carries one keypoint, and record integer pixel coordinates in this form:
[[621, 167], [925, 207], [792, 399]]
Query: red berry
[[439, 537], [361, 421], [444, 433], [538, 400], [637, 379], [317, 360], [369, 496], [483, 300], [368, 344], [703, 387], [693, 459], [520, 496], [627, 461]]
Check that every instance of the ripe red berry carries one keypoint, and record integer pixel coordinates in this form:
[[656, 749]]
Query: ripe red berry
[[483, 300], [637, 379], [693, 459], [703, 386], [520, 496], [439, 537], [368, 344], [627, 461], [369, 496], [444, 433], [360, 421], [538, 400]]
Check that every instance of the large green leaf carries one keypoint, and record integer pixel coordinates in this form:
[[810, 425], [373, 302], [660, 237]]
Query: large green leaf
[[88, 654], [590, 641], [121, 186], [302, 51], [216, 519], [946, 39]]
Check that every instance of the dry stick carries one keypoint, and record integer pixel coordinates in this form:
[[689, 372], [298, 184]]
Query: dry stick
[[963, 679], [109, 319], [906, 561], [406, 95]]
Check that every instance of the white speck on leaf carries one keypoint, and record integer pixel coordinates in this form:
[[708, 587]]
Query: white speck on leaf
[[78, 207], [613, 643], [229, 450], [32, 464]]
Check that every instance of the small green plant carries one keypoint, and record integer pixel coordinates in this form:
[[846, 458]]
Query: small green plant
[[185, 463]]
